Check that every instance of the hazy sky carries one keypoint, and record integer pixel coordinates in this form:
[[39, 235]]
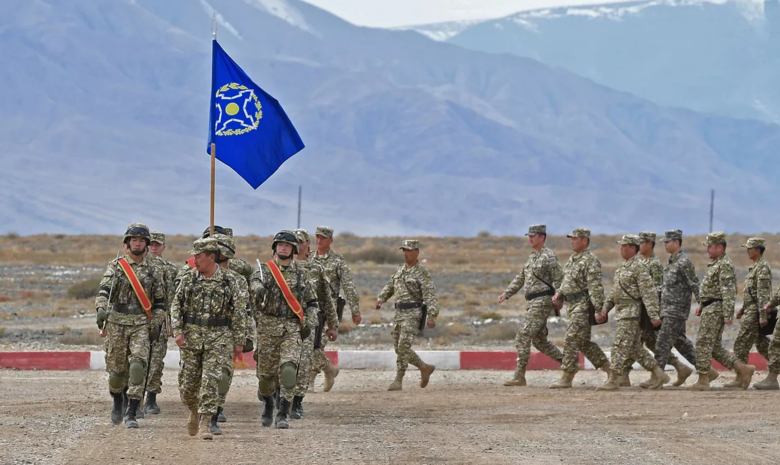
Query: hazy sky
[[391, 13]]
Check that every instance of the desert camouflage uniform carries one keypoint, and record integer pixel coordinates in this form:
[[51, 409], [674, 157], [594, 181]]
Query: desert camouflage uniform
[[774, 346], [208, 349], [758, 291], [542, 265], [409, 285], [160, 347], [127, 332], [679, 282], [720, 283]]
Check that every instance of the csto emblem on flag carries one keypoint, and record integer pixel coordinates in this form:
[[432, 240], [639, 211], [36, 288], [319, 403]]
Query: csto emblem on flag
[[238, 110]]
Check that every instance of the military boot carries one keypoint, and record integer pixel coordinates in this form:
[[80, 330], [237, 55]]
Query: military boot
[[205, 427], [624, 379], [221, 415], [425, 373], [703, 384], [330, 373], [214, 425], [745, 373], [397, 384], [150, 406], [661, 378], [281, 414], [130, 421], [116, 408], [295, 413], [192, 422], [713, 375], [736, 384], [267, 418], [769, 383], [649, 381], [564, 382], [683, 373], [611, 384], [518, 380]]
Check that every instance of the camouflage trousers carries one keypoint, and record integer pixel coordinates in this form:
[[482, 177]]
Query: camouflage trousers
[[672, 334], [124, 344], [307, 358], [650, 338], [534, 331], [709, 341], [748, 336], [159, 349], [201, 370], [320, 360], [406, 325], [577, 340], [774, 351], [627, 347], [250, 334], [278, 342]]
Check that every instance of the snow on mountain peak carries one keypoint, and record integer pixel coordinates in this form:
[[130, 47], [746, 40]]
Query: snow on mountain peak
[[282, 9]]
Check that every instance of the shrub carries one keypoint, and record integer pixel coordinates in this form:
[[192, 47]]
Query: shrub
[[498, 333], [378, 255], [483, 234], [345, 327], [492, 315], [12, 235], [87, 289], [2, 330], [85, 338]]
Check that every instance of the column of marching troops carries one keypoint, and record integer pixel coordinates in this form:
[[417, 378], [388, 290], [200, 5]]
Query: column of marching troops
[[218, 306]]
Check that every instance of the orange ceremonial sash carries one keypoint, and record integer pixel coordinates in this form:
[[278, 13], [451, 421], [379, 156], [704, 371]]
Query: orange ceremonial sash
[[146, 304], [286, 292], [191, 262]]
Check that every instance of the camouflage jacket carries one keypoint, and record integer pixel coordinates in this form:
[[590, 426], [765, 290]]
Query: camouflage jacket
[[169, 271], [340, 277], [679, 282], [319, 282], [758, 289], [633, 285], [542, 265], [242, 267], [719, 282], [655, 268], [412, 285], [152, 280], [223, 295], [583, 273], [266, 296]]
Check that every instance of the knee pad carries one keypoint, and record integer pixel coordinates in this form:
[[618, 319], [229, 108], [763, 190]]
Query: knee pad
[[116, 381], [266, 386], [288, 375], [137, 372], [224, 382]]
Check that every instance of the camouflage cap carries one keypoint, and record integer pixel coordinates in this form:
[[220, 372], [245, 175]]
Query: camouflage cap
[[579, 232], [208, 244], [672, 235], [229, 232], [646, 236], [158, 237], [410, 244], [324, 231], [754, 242], [629, 239], [718, 237], [227, 247], [535, 229], [302, 235]]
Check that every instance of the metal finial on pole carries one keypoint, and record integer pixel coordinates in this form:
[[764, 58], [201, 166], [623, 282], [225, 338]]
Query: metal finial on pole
[[214, 26], [712, 207], [299, 206]]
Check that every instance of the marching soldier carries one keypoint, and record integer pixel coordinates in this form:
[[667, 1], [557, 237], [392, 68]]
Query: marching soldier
[[773, 367], [633, 288], [415, 296], [340, 278], [282, 293], [207, 316], [718, 293], [131, 295], [583, 292], [541, 275]]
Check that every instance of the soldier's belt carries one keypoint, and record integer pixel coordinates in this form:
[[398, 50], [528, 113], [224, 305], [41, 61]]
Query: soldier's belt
[[536, 295], [707, 303], [210, 322], [575, 296], [127, 309], [628, 301], [407, 305]]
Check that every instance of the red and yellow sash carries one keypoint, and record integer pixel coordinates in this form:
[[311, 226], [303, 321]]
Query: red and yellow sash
[[286, 292], [146, 304]]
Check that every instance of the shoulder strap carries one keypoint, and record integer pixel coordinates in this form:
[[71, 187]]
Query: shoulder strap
[[540, 279], [285, 288], [146, 304], [624, 289]]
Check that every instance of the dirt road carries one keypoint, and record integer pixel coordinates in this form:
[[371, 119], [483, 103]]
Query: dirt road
[[462, 417]]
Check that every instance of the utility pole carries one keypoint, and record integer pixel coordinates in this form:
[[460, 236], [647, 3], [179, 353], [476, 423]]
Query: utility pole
[[299, 208], [712, 207]]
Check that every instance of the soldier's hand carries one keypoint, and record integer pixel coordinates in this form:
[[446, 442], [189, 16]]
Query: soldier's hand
[[557, 304], [305, 331], [656, 323], [727, 321], [180, 341], [332, 333], [768, 307], [600, 318], [102, 317], [154, 332], [762, 323], [356, 319], [739, 314], [431, 324], [698, 311], [501, 298], [237, 351], [557, 298], [379, 304]]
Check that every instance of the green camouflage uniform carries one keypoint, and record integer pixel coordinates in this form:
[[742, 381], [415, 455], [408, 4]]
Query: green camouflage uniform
[[127, 329], [160, 347], [774, 346], [242, 271], [758, 291]]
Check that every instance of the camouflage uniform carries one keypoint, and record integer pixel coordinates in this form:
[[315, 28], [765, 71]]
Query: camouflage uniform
[[412, 287], [541, 275], [758, 291], [679, 282], [210, 313], [581, 288], [774, 346]]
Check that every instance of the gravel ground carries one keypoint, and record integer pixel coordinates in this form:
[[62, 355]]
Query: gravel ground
[[462, 417]]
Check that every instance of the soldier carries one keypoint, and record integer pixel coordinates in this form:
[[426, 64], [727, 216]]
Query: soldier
[[160, 347], [650, 335], [678, 283], [718, 293], [541, 275], [773, 367], [583, 292], [340, 278], [414, 295], [757, 293], [131, 295], [283, 296], [208, 326], [633, 288]]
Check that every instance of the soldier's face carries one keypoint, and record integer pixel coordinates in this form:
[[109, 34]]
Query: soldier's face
[[205, 261], [672, 246], [410, 256], [646, 248], [754, 254], [284, 249], [155, 248], [714, 251], [137, 245], [536, 240], [303, 248], [578, 244], [627, 251], [323, 242]]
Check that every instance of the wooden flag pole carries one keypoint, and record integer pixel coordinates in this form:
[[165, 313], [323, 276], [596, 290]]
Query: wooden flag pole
[[213, 176]]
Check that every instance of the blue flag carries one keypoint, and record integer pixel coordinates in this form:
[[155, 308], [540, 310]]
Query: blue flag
[[252, 133]]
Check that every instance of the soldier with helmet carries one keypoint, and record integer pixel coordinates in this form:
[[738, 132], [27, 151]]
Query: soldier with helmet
[[131, 295], [282, 295]]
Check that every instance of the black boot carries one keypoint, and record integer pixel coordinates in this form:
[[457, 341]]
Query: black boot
[[220, 415], [116, 409], [267, 419], [150, 406], [125, 402], [215, 425], [130, 421], [281, 414], [297, 408]]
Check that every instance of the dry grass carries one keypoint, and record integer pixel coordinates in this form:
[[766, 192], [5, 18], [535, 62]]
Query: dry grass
[[87, 289], [498, 333], [90, 338], [2, 330], [378, 255], [491, 316], [346, 326], [375, 318]]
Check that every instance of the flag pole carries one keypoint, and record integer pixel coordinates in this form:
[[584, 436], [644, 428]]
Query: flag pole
[[213, 176]]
